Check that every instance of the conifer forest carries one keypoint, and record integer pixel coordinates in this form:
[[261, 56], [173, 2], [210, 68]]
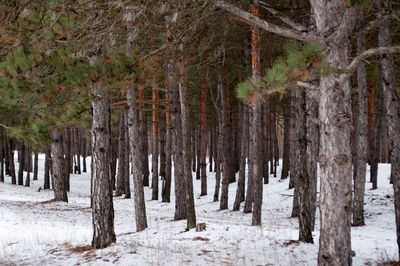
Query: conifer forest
[[199, 132]]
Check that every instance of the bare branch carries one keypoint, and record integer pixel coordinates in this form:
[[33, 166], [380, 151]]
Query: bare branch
[[2, 125], [284, 18], [377, 23], [370, 52], [264, 25], [306, 85]]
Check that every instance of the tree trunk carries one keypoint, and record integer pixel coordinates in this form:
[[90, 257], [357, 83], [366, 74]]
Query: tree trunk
[[293, 139], [126, 158], [57, 155], [68, 157], [21, 164], [210, 150], [217, 157], [154, 156], [84, 153], [145, 145], [248, 204], [102, 201], [166, 186], [298, 158], [335, 124], [242, 171], [29, 162], [361, 140], [392, 109], [135, 150], [190, 210], [36, 166], [198, 149], [121, 157], [10, 156], [286, 138], [2, 156], [203, 136], [47, 166]]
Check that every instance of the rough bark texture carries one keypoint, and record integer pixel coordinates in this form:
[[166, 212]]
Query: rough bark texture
[[29, 163], [248, 204], [217, 157], [145, 145], [286, 139], [224, 152], [11, 159], [126, 157], [36, 166], [57, 155], [135, 150], [203, 137], [102, 201], [120, 189], [154, 148], [191, 214], [21, 164], [361, 140], [333, 18], [293, 139], [47, 166], [392, 109], [68, 157], [243, 150], [2, 157]]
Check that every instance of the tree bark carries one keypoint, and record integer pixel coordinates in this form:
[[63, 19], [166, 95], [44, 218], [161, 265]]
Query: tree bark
[[243, 150], [154, 156], [102, 201], [84, 153], [36, 166], [10, 156], [203, 136], [135, 150], [190, 210], [145, 146], [392, 109], [47, 166], [57, 154], [68, 158], [335, 124], [120, 189], [286, 138], [21, 164], [29, 167], [361, 140], [126, 158], [217, 157]]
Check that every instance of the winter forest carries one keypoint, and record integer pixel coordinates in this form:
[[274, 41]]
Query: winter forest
[[199, 132]]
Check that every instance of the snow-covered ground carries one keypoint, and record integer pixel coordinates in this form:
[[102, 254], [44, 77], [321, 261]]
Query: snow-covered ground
[[36, 231]]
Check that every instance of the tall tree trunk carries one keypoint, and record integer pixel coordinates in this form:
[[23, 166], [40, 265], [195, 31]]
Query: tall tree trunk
[[256, 122], [248, 204], [392, 109], [198, 142], [84, 153], [224, 152], [36, 167], [143, 135], [193, 147], [126, 158], [203, 136], [162, 151], [190, 210], [29, 162], [21, 164], [217, 157], [361, 140], [210, 150], [293, 139], [121, 157], [47, 166], [286, 138], [11, 159], [102, 201], [135, 150], [154, 156], [57, 155], [1, 156], [335, 122], [78, 150], [68, 157], [243, 150]]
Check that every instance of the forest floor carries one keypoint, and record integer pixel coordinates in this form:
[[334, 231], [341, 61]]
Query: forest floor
[[36, 231]]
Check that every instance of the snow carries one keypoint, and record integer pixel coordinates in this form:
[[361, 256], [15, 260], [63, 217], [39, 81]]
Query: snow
[[34, 230]]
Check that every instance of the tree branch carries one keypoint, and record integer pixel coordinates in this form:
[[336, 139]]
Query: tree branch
[[376, 23], [285, 19], [264, 25], [306, 85], [370, 52]]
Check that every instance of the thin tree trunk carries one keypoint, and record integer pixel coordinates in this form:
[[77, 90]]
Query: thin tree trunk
[[102, 200], [57, 155], [217, 157], [28, 173], [2, 156], [210, 150], [145, 145], [47, 166], [191, 214], [36, 166], [126, 158], [68, 157], [11, 159], [361, 140], [248, 204], [154, 156], [286, 138], [198, 143], [203, 136], [166, 186], [242, 171], [121, 157], [84, 153], [21, 164], [135, 150]]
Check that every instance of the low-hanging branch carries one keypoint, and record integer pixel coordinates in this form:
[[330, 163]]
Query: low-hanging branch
[[284, 18], [262, 24], [370, 52]]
